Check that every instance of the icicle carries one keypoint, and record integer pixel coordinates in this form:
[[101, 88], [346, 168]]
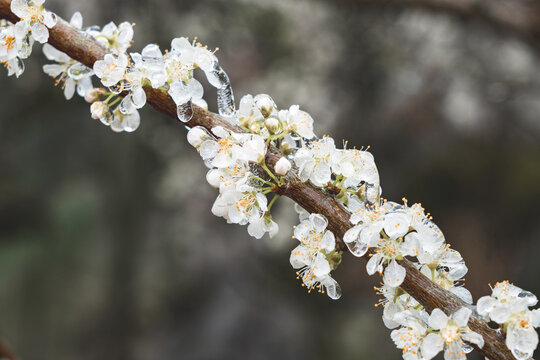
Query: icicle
[[185, 112], [219, 79], [225, 101]]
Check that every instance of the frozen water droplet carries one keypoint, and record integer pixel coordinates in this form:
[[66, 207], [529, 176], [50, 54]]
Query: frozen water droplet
[[19, 66], [126, 105], [78, 71], [132, 121], [185, 112], [117, 123], [357, 248], [107, 119]]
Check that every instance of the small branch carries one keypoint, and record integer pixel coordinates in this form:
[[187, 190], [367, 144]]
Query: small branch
[[86, 50]]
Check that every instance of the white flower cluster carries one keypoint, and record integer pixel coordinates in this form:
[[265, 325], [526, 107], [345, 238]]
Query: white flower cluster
[[123, 75], [422, 336], [350, 174], [508, 305], [314, 257], [127, 74], [16, 40], [230, 156]]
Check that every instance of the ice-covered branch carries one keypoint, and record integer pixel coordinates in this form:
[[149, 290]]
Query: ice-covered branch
[[253, 156]]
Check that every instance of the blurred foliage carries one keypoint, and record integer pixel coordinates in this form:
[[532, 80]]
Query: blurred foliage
[[108, 249]]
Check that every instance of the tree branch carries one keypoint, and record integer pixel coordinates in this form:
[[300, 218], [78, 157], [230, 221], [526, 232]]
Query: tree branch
[[86, 50]]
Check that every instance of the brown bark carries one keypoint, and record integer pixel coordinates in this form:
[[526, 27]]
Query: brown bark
[[82, 48]]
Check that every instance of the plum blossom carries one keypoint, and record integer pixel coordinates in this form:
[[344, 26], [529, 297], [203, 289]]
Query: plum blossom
[[240, 206], [231, 147], [509, 305], [452, 334], [111, 69], [36, 20], [115, 38], [311, 257], [297, 121], [313, 161], [74, 75]]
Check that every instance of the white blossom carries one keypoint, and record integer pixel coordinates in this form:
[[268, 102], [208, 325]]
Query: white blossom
[[111, 69], [313, 161], [311, 256], [297, 121], [509, 305], [115, 38], [240, 206], [452, 334], [34, 17], [74, 75]]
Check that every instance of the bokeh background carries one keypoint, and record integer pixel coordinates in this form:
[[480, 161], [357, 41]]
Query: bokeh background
[[108, 249]]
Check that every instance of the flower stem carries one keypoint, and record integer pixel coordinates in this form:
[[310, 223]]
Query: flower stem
[[272, 201], [270, 173]]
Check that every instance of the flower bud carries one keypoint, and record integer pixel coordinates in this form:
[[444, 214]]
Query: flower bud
[[285, 148], [265, 104], [196, 136], [93, 94], [283, 166], [255, 128], [98, 110], [272, 124]]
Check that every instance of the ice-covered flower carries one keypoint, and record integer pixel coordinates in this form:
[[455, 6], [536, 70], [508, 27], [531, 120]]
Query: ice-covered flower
[[241, 205], [98, 110], [258, 115], [452, 333], [441, 276], [410, 335], [231, 147], [120, 121], [196, 135], [356, 165], [297, 121], [313, 161], [34, 17], [115, 38], [311, 257], [111, 69], [229, 178], [509, 305], [14, 42], [193, 54], [388, 247], [150, 64], [264, 224], [73, 74], [394, 302]]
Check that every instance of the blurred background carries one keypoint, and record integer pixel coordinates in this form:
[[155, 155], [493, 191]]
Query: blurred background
[[108, 249]]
